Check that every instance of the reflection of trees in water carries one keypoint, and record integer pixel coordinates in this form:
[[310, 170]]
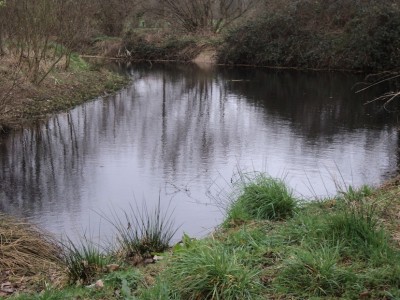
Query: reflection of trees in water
[[316, 104], [36, 163], [43, 167], [175, 121], [196, 124]]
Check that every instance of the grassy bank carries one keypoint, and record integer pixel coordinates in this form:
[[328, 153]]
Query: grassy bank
[[271, 245], [23, 102]]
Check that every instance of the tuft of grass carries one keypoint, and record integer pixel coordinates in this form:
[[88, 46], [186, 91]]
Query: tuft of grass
[[84, 259], [315, 272], [252, 240], [355, 225], [210, 270], [351, 194], [262, 198], [359, 235], [144, 232]]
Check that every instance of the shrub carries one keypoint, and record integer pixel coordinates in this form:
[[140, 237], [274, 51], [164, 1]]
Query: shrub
[[319, 34], [168, 47]]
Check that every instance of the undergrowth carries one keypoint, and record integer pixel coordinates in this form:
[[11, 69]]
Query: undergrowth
[[337, 248], [351, 35]]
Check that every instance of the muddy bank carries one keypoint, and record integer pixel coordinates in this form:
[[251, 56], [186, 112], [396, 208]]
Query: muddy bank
[[60, 91]]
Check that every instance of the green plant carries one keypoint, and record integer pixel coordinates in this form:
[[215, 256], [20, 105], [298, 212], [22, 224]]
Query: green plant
[[124, 282], [356, 194], [77, 63], [143, 232], [84, 259], [210, 270], [262, 197], [315, 272], [162, 290], [357, 230], [68, 293]]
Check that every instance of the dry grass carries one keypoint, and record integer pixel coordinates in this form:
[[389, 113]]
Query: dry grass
[[388, 208], [27, 252], [109, 48]]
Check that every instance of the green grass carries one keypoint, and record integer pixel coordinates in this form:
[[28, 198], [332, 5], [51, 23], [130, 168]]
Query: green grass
[[315, 272], [143, 232], [162, 290], [338, 248], [125, 282], [117, 285], [84, 260], [262, 198], [77, 63], [210, 270], [70, 293]]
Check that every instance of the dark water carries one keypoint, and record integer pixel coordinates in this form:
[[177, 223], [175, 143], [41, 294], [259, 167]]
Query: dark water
[[179, 132]]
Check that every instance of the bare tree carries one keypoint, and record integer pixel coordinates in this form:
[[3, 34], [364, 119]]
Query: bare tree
[[73, 26], [111, 15], [2, 31], [42, 32], [30, 26], [203, 15]]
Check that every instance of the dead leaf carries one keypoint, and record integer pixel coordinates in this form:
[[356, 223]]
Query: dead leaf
[[99, 284], [112, 267]]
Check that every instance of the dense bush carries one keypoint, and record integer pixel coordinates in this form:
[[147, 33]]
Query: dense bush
[[342, 34], [150, 46]]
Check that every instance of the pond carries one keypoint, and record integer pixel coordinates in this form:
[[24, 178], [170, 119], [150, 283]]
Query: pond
[[179, 134]]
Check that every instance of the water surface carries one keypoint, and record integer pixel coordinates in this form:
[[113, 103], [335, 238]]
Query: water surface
[[179, 133]]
